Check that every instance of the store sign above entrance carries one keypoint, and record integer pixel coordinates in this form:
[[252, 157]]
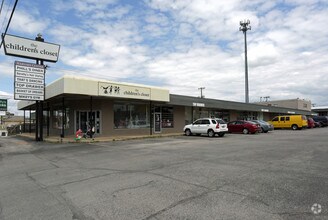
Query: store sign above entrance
[[123, 91], [197, 104], [23, 47]]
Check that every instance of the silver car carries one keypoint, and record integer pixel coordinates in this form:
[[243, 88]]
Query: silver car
[[265, 126]]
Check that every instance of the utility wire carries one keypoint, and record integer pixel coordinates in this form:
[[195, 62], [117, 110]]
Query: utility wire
[[11, 16], [8, 9], [1, 6]]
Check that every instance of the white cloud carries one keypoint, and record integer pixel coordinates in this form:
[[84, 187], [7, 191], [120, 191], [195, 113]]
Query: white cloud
[[69, 35], [83, 7], [23, 22], [117, 13], [11, 103], [201, 66], [7, 69], [184, 45], [5, 94], [262, 54], [216, 19]]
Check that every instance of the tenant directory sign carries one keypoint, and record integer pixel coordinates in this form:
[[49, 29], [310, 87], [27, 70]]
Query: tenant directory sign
[[29, 81]]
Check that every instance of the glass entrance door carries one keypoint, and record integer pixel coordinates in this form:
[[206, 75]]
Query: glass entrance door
[[83, 118]]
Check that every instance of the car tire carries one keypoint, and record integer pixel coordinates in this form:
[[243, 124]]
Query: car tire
[[245, 131], [221, 135], [262, 130], [188, 132], [265, 131], [211, 133], [294, 127]]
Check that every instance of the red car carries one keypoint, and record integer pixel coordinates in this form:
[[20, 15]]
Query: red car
[[245, 127], [310, 123]]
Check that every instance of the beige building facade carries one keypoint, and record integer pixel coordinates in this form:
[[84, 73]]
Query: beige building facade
[[300, 104], [124, 109]]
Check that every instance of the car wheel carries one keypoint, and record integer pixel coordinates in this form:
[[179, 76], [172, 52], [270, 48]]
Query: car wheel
[[265, 131], [221, 135], [294, 127], [262, 130], [245, 131], [211, 133], [187, 132]]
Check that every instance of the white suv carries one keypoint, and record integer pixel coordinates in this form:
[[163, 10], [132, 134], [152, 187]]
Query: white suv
[[209, 126]]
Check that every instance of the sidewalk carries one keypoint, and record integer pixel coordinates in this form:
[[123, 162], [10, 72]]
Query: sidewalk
[[71, 138]]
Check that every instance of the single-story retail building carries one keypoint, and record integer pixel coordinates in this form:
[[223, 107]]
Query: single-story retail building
[[321, 110], [117, 109]]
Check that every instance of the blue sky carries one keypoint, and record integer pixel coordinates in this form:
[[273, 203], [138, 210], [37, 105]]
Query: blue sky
[[182, 45]]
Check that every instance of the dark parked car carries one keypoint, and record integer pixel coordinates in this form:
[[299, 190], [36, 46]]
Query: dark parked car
[[310, 123], [265, 126], [317, 124], [245, 127], [322, 119]]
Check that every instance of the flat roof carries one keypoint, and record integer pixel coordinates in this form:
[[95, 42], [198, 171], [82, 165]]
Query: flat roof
[[320, 107], [76, 86], [231, 105]]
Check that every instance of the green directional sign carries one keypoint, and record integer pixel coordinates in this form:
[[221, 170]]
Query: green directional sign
[[3, 104]]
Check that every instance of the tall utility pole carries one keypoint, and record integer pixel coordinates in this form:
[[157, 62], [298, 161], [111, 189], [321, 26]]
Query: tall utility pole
[[201, 92], [244, 28]]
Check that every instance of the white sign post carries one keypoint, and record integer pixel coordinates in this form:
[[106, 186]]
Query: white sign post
[[29, 81]]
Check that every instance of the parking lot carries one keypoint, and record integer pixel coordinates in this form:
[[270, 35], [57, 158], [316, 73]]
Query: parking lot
[[279, 175]]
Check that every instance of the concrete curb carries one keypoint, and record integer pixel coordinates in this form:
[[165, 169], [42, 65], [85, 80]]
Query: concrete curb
[[71, 139]]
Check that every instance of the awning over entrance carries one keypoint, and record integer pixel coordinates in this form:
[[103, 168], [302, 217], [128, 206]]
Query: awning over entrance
[[73, 87]]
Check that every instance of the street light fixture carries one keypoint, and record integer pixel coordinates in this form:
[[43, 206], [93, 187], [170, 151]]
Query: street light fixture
[[244, 28]]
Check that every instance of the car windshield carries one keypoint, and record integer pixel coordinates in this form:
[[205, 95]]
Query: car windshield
[[257, 121], [263, 122]]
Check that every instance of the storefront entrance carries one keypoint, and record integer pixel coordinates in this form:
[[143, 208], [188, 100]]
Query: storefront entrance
[[84, 118]]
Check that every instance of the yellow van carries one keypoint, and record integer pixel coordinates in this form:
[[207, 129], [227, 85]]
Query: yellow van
[[289, 121]]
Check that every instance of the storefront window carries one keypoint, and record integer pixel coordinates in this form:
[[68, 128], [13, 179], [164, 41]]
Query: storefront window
[[167, 117], [45, 118], [247, 116], [188, 115], [210, 113], [131, 116], [58, 118], [200, 113], [225, 115], [167, 120]]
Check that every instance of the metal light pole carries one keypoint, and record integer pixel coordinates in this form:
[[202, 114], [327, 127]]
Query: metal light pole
[[201, 92], [244, 28], [39, 105]]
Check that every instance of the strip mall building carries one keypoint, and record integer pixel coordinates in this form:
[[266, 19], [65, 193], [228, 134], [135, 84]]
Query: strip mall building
[[117, 109]]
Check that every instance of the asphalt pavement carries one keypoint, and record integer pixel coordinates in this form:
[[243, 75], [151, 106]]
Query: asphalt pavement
[[279, 175]]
